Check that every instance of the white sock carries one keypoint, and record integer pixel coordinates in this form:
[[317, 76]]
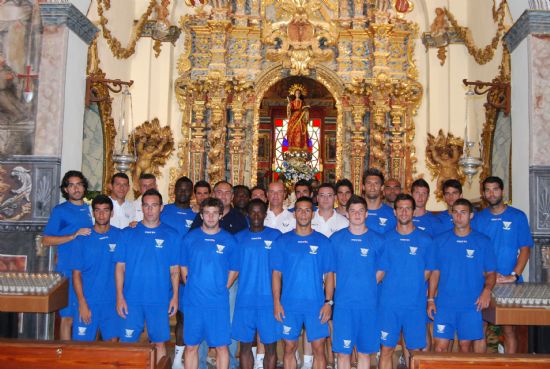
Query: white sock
[[260, 357], [178, 352], [308, 360], [254, 349]]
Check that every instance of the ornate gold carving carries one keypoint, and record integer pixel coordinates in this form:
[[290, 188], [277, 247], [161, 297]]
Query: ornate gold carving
[[300, 37], [153, 146], [442, 155]]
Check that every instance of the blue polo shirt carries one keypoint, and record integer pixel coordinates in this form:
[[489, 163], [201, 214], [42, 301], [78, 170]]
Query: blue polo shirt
[[357, 259], [461, 262], [148, 254], [405, 259], [66, 219], [254, 249], [508, 232], [93, 257], [209, 258], [428, 223], [302, 260], [178, 218], [381, 220]]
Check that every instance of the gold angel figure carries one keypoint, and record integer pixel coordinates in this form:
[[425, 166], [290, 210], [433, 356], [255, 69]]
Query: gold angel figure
[[154, 145], [442, 156]]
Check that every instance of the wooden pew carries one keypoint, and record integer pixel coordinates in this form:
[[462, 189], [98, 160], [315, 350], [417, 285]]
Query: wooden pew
[[454, 360], [16, 354]]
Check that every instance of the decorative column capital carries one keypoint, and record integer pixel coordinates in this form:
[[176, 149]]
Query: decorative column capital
[[531, 21], [62, 13]]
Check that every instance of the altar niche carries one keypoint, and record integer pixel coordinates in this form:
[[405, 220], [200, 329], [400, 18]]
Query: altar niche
[[297, 132]]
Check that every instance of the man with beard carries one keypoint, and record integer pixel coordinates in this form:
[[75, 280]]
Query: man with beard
[[68, 221], [202, 191], [423, 219], [344, 190], [380, 217], [179, 216], [392, 188], [508, 229]]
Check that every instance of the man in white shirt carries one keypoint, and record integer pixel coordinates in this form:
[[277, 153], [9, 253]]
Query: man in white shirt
[[124, 212], [326, 220], [146, 182], [277, 216]]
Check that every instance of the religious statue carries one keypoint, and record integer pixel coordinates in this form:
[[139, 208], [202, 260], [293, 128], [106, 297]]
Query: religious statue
[[442, 156], [15, 202], [153, 146], [298, 119], [440, 24]]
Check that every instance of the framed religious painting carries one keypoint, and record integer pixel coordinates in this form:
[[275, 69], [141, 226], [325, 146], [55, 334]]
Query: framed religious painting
[[330, 147], [264, 146]]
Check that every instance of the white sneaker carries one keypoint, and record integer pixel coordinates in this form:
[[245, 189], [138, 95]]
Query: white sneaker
[[177, 365], [258, 363], [308, 364], [178, 356]]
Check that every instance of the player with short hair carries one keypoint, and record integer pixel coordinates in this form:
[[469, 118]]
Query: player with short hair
[[452, 191], [254, 304], [380, 217], [326, 220], [146, 268], [423, 219], [179, 216], [463, 277], [93, 270], [209, 265], [357, 252], [344, 190], [241, 197], [508, 229], [301, 261], [258, 192], [68, 220], [202, 191], [407, 263], [124, 213], [146, 181], [392, 188], [277, 216]]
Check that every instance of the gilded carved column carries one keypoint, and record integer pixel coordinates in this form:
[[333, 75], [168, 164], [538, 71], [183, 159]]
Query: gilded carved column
[[236, 141], [358, 144], [218, 32], [197, 147], [216, 136], [396, 168]]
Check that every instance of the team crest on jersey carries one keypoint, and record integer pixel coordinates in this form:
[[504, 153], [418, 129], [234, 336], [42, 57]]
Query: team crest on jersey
[[364, 252], [313, 250], [112, 247], [384, 335], [129, 333], [268, 244], [470, 253], [188, 223], [82, 331], [412, 250], [383, 221], [440, 328], [506, 225], [219, 249], [286, 329], [347, 343], [160, 243]]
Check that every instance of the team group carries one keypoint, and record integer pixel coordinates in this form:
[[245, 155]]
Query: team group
[[366, 272]]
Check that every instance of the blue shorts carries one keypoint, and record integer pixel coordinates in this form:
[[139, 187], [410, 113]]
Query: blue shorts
[[69, 310], [411, 321], [155, 316], [246, 321], [468, 324], [354, 327], [104, 318], [293, 322], [202, 324]]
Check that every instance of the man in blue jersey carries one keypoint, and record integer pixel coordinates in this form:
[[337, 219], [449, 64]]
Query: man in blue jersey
[[357, 252], [452, 191], [254, 304], [179, 216], [380, 217], [392, 188], [423, 219], [93, 270], [147, 266], [344, 190], [508, 229], [407, 262], [463, 277], [68, 221], [299, 260], [209, 264]]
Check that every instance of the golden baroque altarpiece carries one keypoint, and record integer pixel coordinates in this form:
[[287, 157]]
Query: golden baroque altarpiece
[[362, 51]]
